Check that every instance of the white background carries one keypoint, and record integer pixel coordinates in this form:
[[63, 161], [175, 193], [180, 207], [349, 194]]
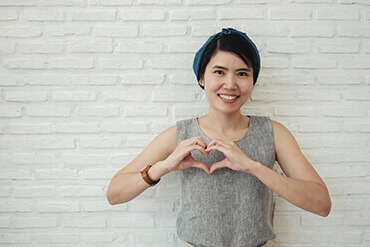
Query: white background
[[86, 84]]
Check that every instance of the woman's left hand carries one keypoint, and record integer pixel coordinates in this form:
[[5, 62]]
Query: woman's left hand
[[235, 159]]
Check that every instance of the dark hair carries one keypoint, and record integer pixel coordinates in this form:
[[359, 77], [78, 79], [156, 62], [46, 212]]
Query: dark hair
[[231, 43]]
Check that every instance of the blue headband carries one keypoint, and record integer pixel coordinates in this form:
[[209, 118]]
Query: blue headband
[[227, 31]]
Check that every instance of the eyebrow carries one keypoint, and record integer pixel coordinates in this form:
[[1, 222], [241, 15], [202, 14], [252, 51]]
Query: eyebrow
[[224, 68]]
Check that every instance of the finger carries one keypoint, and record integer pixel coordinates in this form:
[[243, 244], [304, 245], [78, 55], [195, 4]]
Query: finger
[[199, 141], [202, 166], [196, 147], [218, 165]]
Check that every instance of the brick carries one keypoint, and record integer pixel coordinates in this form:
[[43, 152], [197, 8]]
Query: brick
[[344, 111], [192, 14], [182, 78], [82, 191], [85, 222], [294, 111], [103, 142], [359, 188], [19, 96], [56, 174], [10, 111], [240, 13], [62, 3], [34, 222], [354, 63], [15, 174], [163, 31], [351, 30], [159, 2], [70, 63], [314, 63], [97, 174], [347, 237], [132, 95], [44, 80], [111, 2], [48, 111], [138, 47], [54, 143], [137, 141], [316, 221], [76, 128], [259, 1], [97, 80], [43, 15], [339, 79], [363, 2], [15, 207], [146, 111], [348, 171], [142, 15], [14, 238], [98, 237], [125, 127], [290, 14], [20, 31], [163, 96], [8, 15], [5, 222], [40, 48], [319, 127], [344, 141], [276, 62], [120, 63], [18, 3], [57, 207], [170, 61], [98, 111], [25, 63], [73, 96], [134, 220], [82, 46], [59, 30], [93, 15], [114, 30], [32, 159], [29, 128], [190, 111], [320, 95], [357, 126], [337, 14], [288, 47], [143, 79], [204, 2], [309, 29], [5, 192], [102, 206], [29, 192], [53, 238], [348, 46], [7, 47], [86, 159], [11, 80]]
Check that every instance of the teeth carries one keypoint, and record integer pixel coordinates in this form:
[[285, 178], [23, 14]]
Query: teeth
[[227, 97]]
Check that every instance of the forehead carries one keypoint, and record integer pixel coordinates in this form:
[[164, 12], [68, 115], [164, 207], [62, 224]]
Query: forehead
[[226, 59]]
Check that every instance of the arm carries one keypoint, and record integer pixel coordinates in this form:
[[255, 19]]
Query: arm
[[302, 186], [164, 155]]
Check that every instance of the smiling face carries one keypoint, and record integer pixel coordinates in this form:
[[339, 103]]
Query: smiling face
[[228, 82]]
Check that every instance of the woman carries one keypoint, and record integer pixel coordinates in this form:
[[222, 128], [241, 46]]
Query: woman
[[226, 158]]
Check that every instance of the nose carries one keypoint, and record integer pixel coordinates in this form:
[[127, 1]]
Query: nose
[[230, 82]]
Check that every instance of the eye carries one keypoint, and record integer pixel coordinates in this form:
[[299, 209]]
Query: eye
[[218, 72], [242, 74]]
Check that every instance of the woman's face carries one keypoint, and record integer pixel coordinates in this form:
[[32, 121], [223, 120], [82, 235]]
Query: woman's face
[[228, 82]]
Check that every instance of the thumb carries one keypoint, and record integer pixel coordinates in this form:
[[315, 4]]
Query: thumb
[[217, 165]]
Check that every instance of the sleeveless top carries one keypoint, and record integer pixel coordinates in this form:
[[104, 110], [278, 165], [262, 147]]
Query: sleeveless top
[[227, 208]]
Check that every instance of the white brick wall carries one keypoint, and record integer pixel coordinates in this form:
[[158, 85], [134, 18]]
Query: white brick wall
[[86, 84]]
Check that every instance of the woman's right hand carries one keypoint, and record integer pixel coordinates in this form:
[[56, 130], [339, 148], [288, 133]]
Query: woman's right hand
[[181, 157]]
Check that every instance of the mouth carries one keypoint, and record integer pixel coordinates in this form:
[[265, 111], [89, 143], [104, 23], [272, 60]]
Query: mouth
[[227, 97]]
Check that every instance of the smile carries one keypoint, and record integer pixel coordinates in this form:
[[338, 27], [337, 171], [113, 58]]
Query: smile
[[228, 97]]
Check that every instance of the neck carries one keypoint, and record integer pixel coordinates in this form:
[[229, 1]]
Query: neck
[[222, 123]]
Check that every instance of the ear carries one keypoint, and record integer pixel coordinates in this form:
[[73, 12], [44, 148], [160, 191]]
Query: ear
[[201, 82]]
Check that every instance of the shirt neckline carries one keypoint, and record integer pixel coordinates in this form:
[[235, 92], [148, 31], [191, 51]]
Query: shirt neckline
[[205, 137]]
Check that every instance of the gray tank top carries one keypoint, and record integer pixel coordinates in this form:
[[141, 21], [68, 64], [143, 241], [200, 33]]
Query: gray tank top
[[227, 208]]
